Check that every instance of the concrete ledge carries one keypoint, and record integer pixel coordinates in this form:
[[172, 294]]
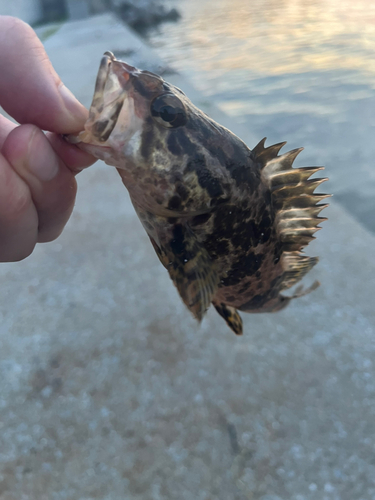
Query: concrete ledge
[[110, 390]]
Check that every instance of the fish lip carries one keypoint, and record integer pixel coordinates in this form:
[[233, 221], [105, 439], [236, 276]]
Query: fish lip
[[121, 69], [101, 79], [117, 75], [93, 148], [99, 131]]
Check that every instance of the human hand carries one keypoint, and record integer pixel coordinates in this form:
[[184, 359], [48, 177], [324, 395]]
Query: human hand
[[37, 183]]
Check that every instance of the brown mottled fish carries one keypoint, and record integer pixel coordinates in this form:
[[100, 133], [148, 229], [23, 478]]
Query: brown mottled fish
[[228, 223]]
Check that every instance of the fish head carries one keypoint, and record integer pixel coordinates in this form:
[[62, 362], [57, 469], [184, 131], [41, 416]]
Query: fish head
[[129, 107]]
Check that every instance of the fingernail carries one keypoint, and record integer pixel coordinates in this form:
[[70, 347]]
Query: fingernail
[[74, 107], [42, 160]]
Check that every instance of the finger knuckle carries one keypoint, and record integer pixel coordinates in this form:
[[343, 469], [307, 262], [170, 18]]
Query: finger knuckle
[[54, 216], [64, 200], [19, 203]]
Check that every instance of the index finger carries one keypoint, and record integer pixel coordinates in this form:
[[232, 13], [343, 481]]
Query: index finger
[[30, 89]]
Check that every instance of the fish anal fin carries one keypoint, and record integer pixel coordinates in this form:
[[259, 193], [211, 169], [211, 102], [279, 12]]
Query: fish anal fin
[[301, 291], [283, 300], [231, 317]]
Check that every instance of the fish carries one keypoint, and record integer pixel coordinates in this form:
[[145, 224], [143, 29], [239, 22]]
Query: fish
[[229, 223]]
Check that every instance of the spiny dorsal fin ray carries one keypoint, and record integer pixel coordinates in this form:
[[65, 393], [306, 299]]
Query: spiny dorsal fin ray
[[297, 235], [296, 206], [303, 212], [278, 164], [301, 201], [291, 188], [231, 316], [259, 147], [269, 153], [289, 224], [297, 188], [293, 175]]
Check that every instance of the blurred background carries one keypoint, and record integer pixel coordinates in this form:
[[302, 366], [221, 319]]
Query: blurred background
[[300, 69], [289, 69], [108, 389]]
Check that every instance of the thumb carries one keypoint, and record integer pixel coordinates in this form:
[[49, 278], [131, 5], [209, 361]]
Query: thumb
[[30, 89]]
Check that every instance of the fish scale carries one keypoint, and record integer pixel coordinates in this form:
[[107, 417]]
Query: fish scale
[[228, 223]]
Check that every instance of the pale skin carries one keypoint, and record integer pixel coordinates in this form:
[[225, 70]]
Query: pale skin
[[37, 169]]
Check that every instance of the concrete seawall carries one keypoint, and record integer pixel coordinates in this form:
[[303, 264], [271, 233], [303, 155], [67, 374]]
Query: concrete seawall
[[29, 11]]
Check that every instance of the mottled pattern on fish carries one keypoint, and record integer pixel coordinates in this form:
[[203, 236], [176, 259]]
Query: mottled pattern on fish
[[227, 222]]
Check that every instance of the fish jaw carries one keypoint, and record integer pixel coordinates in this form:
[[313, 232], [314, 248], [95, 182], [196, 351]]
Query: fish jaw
[[114, 125]]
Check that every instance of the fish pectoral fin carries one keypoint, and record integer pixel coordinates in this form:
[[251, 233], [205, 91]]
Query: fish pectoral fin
[[196, 288], [191, 270], [159, 252], [231, 316]]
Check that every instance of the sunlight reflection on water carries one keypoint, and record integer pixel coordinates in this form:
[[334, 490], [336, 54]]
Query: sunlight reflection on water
[[299, 70], [274, 38]]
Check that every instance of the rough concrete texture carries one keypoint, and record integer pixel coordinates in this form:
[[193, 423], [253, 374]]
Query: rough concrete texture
[[111, 391]]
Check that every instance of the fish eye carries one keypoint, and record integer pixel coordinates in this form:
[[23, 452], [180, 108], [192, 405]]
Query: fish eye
[[168, 110]]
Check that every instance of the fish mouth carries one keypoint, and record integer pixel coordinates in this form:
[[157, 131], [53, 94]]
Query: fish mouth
[[111, 89], [101, 79]]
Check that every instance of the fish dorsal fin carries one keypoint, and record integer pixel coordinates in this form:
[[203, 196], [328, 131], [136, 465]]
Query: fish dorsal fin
[[231, 316], [191, 269], [297, 206]]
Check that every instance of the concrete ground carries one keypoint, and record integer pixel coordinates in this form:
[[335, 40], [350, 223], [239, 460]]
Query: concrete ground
[[109, 389]]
